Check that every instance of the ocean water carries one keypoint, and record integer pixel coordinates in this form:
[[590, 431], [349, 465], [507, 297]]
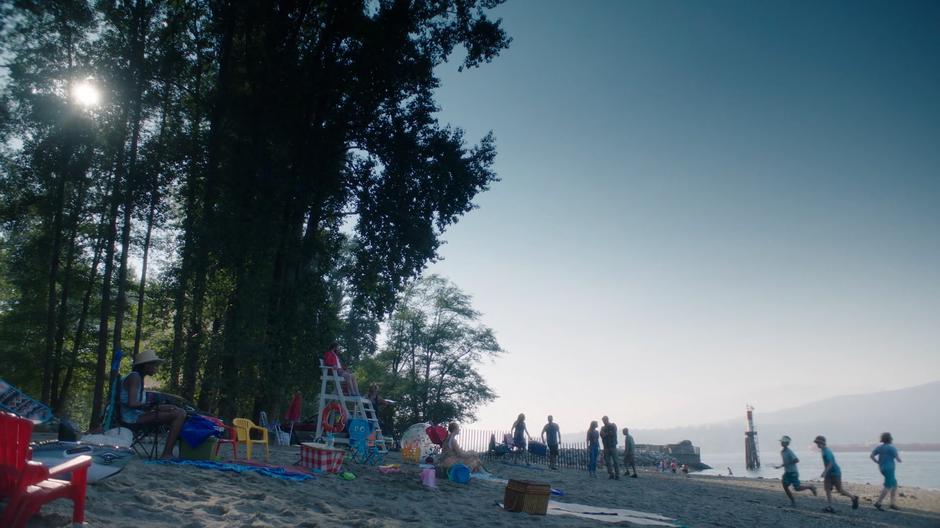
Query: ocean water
[[920, 468]]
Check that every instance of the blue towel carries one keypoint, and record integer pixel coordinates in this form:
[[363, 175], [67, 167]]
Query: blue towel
[[270, 471]]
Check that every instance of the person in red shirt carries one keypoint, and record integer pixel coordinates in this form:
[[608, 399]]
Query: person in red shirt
[[331, 359]]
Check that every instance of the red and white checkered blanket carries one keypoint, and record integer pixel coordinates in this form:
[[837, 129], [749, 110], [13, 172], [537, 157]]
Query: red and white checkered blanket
[[321, 457]]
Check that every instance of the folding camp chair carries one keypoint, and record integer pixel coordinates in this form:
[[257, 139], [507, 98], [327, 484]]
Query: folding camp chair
[[362, 443]]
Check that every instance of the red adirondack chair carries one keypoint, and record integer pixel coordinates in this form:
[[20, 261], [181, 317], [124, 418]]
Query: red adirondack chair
[[27, 484]]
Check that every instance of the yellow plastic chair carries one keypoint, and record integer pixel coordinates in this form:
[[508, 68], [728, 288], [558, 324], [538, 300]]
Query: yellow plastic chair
[[243, 428]]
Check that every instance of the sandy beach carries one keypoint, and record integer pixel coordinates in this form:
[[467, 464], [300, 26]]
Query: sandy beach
[[150, 495]]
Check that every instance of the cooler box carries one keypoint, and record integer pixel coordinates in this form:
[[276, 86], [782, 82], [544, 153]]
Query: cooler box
[[538, 448], [322, 457], [527, 496], [203, 451]]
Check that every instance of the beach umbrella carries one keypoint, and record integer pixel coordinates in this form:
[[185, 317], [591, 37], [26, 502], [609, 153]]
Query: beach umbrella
[[293, 412]]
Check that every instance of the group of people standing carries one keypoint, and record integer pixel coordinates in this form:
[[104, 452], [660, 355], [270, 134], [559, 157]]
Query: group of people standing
[[884, 455], [606, 436]]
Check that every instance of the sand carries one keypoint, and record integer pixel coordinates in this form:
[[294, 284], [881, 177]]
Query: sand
[[147, 495]]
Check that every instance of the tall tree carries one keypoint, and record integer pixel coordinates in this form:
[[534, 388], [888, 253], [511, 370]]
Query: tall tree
[[435, 343]]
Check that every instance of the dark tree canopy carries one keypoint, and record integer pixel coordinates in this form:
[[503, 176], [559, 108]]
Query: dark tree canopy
[[282, 158]]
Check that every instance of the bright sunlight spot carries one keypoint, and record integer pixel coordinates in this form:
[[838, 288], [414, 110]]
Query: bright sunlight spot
[[86, 93]]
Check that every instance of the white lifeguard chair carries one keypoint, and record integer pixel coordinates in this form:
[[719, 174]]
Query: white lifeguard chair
[[331, 390]]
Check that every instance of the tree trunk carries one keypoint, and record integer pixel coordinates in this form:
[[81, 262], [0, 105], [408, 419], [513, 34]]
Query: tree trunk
[[201, 251], [79, 330], [59, 201], [102, 353], [63, 305], [137, 65]]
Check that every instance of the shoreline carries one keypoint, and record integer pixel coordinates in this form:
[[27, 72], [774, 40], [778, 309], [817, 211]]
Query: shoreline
[[150, 495]]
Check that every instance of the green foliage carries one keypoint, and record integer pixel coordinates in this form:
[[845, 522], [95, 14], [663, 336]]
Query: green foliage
[[434, 345], [285, 156]]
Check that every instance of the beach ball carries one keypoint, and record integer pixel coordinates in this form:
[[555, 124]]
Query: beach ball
[[415, 444]]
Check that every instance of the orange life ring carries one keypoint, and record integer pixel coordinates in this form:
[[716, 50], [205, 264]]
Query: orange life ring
[[334, 418]]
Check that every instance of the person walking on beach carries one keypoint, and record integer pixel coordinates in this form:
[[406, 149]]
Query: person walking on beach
[[791, 475], [832, 475], [609, 437], [519, 435], [594, 447], [629, 453], [885, 455], [551, 434]]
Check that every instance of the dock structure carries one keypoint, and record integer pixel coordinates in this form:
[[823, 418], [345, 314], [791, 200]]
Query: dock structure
[[751, 454]]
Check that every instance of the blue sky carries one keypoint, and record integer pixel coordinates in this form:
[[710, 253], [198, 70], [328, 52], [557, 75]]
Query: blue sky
[[702, 205]]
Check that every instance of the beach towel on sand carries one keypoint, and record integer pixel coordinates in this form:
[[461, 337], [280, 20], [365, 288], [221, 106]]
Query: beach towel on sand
[[269, 471], [609, 515]]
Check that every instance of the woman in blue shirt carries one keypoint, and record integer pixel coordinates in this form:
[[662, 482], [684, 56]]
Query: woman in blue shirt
[[885, 455], [832, 475]]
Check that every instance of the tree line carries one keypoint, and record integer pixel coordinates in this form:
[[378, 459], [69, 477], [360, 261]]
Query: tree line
[[282, 162]]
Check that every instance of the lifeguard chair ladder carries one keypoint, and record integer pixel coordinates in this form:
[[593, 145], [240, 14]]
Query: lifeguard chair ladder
[[331, 390]]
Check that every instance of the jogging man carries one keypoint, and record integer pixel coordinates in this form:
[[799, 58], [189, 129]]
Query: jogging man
[[791, 476]]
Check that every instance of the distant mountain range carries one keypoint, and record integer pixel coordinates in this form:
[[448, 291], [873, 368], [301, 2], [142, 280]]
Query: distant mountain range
[[912, 415]]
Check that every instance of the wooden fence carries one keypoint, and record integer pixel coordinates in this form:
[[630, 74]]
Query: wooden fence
[[570, 454]]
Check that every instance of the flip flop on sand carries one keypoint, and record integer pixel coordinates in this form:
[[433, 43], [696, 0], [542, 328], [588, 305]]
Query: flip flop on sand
[[878, 507], [893, 507], [828, 509]]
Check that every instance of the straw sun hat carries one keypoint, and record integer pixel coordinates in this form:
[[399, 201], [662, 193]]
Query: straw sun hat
[[147, 356]]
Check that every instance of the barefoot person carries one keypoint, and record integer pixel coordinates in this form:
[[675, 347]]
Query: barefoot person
[[452, 453], [791, 476], [594, 447], [519, 435], [885, 456], [629, 453], [609, 438], [135, 409], [832, 475], [551, 434]]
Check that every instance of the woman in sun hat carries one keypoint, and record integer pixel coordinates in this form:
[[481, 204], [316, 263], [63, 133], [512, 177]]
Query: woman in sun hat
[[136, 410], [832, 475]]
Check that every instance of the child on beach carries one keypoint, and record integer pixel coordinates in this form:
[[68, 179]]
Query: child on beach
[[452, 453], [886, 455], [629, 453], [594, 447], [791, 476], [832, 475]]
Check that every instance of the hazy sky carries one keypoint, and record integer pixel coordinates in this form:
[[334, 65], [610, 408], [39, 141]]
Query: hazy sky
[[703, 204]]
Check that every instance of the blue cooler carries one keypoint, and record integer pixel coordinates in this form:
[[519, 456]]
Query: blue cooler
[[538, 448]]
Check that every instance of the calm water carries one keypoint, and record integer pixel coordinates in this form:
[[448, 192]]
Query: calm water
[[920, 468]]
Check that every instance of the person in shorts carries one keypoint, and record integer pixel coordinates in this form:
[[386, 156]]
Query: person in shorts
[[629, 454], [885, 456], [551, 434], [608, 435], [832, 475], [791, 475]]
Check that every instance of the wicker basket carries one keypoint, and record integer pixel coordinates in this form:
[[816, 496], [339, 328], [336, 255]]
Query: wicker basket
[[527, 496]]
